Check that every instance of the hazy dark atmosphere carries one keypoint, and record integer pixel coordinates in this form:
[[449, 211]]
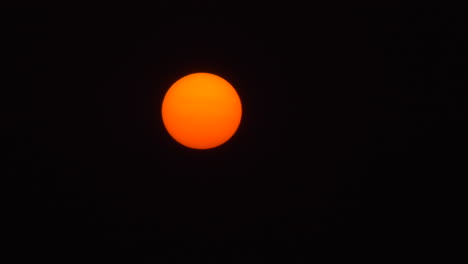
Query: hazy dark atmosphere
[[334, 101]]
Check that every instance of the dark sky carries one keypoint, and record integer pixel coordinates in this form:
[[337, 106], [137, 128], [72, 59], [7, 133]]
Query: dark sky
[[334, 101]]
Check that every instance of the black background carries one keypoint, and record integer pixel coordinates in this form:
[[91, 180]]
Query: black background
[[339, 104]]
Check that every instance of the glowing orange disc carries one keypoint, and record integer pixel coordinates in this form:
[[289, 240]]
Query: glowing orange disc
[[201, 111]]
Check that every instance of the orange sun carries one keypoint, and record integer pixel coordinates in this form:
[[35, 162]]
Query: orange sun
[[201, 111]]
